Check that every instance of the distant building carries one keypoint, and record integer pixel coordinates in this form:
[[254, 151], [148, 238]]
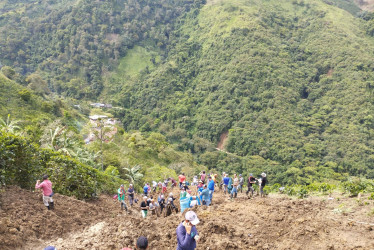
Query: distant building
[[101, 105], [97, 117]]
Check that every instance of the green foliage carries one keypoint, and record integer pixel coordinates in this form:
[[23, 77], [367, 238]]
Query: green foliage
[[8, 72], [262, 71], [25, 94], [354, 186], [112, 170], [23, 162], [75, 42], [371, 197]]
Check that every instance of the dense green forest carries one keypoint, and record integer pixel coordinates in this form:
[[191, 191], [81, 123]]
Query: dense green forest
[[290, 82]]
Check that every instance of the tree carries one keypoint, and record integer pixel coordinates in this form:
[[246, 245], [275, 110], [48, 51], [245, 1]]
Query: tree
[[133, 174], [9, 125]]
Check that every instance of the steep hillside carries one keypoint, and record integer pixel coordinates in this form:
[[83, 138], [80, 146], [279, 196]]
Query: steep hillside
[[74, 42], [291, 81]]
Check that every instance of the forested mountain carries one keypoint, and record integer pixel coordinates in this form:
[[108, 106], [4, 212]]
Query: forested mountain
[[75, 42], [290, 82]]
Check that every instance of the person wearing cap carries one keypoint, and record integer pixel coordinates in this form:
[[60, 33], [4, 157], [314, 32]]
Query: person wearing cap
[[241, 183], [263, 183], [251, 180], [46, 186], [211, 188], [187, 234], [144, 207], [121, 197], [130, 193]]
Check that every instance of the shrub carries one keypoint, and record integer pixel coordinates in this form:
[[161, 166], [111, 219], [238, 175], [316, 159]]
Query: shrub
[[354, 186], [22, 163]]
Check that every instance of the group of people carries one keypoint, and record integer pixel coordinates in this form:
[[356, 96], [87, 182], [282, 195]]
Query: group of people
[[203, 187], [200, 191]]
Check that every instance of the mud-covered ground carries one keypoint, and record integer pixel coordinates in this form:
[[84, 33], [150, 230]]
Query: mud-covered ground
[[275, 222]]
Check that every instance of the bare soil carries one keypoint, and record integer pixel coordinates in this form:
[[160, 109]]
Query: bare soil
[[274, 222]]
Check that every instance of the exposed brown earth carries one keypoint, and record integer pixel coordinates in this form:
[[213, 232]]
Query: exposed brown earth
[[275, 222]]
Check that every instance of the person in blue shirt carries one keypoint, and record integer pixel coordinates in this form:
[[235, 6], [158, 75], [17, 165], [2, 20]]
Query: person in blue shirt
[[146, 189], [205, 197], [226, 181], [211, 184]]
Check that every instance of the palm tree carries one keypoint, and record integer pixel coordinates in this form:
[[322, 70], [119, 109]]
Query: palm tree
[[133, 174], [8, 125]]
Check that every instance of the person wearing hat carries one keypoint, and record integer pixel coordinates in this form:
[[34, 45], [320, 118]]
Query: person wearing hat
[[46, 186], [251, 180], [241, 183], [121, 197], [187, 234], [130, 193], [263, 183]]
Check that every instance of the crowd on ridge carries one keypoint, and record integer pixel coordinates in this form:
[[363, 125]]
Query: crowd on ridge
[[199, 192]]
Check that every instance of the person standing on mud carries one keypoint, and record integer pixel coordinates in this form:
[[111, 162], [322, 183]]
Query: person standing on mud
[[146, 189], [241, 183], [250, 182], [121, 197], [144, 207], [263, 183], [226, 181], [205, 197], [181, 178], [202, 176], [130, 193], [46, 186], [187, 234], [211, 188], [234, 191]]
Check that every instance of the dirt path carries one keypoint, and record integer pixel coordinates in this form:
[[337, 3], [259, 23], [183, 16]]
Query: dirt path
[[276, 222]]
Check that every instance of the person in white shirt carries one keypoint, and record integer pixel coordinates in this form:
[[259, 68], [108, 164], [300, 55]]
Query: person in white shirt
[[193, 202]]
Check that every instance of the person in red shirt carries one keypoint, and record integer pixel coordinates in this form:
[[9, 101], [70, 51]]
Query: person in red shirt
[[46, 186], [182, 178]]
